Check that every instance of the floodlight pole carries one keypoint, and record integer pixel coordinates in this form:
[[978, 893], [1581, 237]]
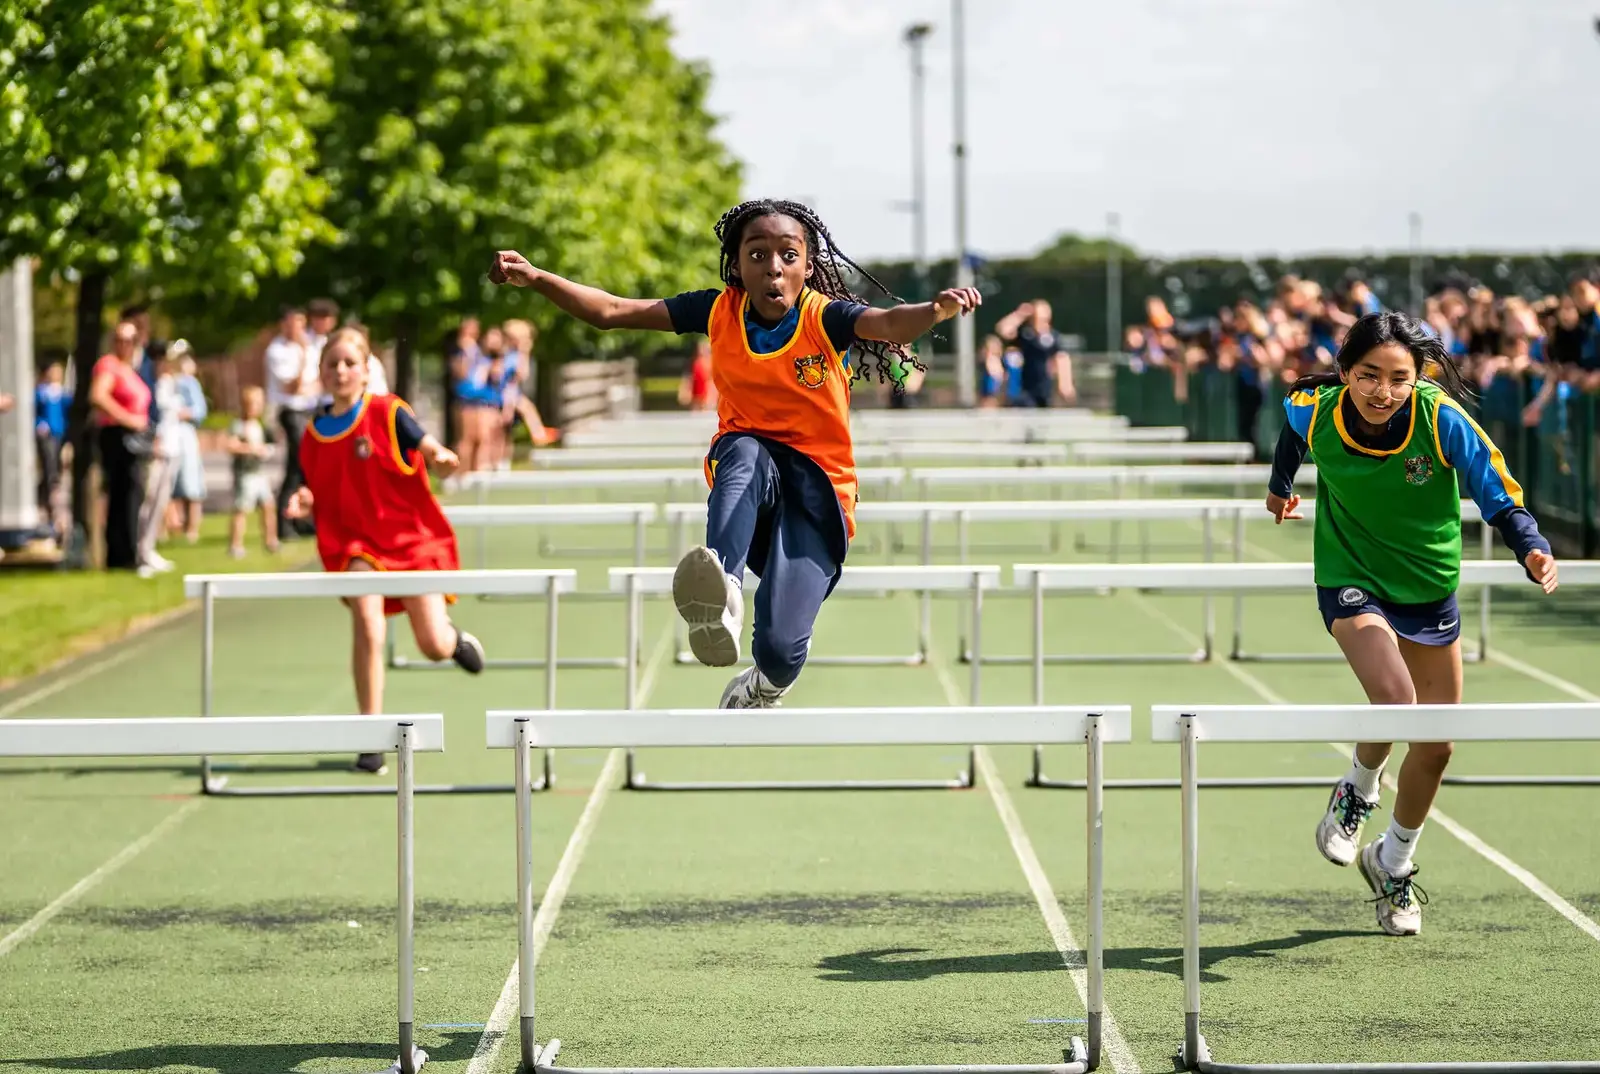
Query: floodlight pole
[[966, 339], [1113, 284], [915, 34], [1416, 264]]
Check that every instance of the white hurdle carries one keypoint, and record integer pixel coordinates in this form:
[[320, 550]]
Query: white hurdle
[[1090, 726], [1201, 451], [973, 581], [307, 585], [1254, 577], [1190, 725], [483, 517], [1239, 476], [252, 735]]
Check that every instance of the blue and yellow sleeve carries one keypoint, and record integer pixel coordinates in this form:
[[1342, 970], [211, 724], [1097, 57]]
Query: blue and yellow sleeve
[[1300, 408], [1467, 449]]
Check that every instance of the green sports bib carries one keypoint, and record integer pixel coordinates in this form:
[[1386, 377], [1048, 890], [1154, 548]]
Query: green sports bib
[[1387, 522]]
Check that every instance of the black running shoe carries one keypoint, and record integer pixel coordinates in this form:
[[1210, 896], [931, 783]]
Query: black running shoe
[[469, 652], [371, 763]]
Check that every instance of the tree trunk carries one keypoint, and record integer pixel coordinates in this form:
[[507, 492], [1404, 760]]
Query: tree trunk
[[405, 357], [447, 420], [91, 308]]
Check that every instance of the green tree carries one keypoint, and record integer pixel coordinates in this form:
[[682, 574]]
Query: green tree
[[565, 128], [164, 140]]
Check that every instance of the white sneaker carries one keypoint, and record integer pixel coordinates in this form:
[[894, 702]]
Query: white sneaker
[[1398, 898], [159, 563], [1339, 831], [751, 690], [712, 604]]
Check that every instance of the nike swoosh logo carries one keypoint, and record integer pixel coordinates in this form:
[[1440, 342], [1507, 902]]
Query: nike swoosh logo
[[1402, 839], [1448, 623]]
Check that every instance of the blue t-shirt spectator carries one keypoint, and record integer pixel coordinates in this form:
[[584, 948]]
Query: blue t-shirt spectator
[[50, 403]]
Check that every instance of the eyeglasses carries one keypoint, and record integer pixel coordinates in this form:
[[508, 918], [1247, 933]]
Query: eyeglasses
[[1368, 385]]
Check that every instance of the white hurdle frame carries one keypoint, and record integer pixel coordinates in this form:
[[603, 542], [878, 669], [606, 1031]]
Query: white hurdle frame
[[971, 580], [253, 735], [1091, 726], [305, 585], [1189, 725], [1256, 577]]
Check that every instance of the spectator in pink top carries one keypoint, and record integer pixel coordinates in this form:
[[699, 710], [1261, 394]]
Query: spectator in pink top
[[120, 402]]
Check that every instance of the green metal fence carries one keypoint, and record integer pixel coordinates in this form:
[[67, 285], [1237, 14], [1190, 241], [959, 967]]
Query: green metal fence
[[1557, 462]]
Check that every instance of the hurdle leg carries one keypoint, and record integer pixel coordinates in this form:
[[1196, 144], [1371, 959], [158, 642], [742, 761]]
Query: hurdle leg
[[483, 531], [638, 540], [552, 617], [962, 539], [925, 620], [208, 628], [1209, 600], [1038, 778], [1238, 595], [524, 792], [411, 1057], [1193, 1043], [630, 674], [1096, 830]]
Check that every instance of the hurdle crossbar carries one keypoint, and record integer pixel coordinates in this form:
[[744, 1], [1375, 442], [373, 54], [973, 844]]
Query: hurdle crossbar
[[1216, 451], [971, 580], [1483, 574], [1188, 725], [252, 735], [305, 585], [1091, 726]]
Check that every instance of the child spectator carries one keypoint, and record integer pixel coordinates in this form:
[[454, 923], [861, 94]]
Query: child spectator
[[51, 400], [247, 443]]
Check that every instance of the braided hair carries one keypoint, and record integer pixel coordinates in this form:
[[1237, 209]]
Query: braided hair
[[893, 361]]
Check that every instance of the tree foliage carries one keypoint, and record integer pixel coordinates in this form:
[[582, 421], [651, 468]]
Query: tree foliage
[[565, 128], [166, 138]]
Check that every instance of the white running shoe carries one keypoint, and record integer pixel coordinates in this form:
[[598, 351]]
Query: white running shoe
[[1339, 831], [1398, 898], [751, 690], [712, 604]]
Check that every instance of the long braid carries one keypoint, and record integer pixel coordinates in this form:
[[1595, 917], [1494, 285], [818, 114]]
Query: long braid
[[826, 278]]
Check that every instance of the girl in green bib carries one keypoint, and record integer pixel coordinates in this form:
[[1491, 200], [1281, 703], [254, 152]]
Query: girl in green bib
[[1394, 454]]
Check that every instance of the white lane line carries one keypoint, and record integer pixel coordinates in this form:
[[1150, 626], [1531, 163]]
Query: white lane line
[[505, 1008], [88, 883], [1469, 838], [1112, 1041]]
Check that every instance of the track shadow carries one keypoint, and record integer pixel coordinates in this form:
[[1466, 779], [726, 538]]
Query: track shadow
[[248, 1058], [268, 768], [882, 965]]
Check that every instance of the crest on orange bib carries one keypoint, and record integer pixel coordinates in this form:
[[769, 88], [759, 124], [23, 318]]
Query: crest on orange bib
[[811, 371]]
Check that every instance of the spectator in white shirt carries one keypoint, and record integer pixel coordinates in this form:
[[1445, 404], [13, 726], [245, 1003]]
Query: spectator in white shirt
[[323, 314], [293, 391]]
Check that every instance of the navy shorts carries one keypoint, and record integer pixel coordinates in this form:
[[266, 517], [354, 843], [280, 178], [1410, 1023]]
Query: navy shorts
[[1435, 623]]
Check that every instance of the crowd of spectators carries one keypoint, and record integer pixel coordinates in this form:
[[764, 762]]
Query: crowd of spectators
[[1301, 327]]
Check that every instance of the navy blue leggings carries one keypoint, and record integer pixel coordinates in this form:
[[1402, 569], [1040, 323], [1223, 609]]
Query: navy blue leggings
[[750, 520]]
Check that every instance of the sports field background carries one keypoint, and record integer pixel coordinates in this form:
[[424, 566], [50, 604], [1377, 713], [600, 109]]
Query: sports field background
[[763, 928]]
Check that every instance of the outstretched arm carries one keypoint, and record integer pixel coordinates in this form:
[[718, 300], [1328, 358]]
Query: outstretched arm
[[905, 323], [589, 304]]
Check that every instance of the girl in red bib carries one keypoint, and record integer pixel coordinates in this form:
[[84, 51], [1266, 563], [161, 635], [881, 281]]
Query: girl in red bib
[[364, 458], [781, 467]]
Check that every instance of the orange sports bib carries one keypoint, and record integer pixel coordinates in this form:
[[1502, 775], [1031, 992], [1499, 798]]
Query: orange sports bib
[[798, 395]]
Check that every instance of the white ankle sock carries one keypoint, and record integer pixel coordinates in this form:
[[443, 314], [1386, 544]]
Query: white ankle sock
[[1365, 780], [1399, 843]]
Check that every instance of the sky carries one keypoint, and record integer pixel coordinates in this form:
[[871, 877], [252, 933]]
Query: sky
[[1208, 126]]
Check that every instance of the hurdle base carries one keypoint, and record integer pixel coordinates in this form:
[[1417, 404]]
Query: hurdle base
[[1240, 656], [1076, 1058], [215, 787], [1242, 782], [1203, 1062], [1198, 656], [405, 663], [964, 781], [418, 1057]]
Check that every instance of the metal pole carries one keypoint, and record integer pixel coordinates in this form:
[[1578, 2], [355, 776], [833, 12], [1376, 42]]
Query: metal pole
[[208, 626], [925, 623], [977, 636], [1486, 544], [630, 663], [1416, 264], [1038, 665], [966, 372], [1238, 594], [524, 762], [405, 787], [638, 539], [915, 35], [1113, 284], [1096, 825], [1209, 600], [1191, 892], [551, 606]]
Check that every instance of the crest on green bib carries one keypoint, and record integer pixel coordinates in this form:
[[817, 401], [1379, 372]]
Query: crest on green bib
[[1419, 468]]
